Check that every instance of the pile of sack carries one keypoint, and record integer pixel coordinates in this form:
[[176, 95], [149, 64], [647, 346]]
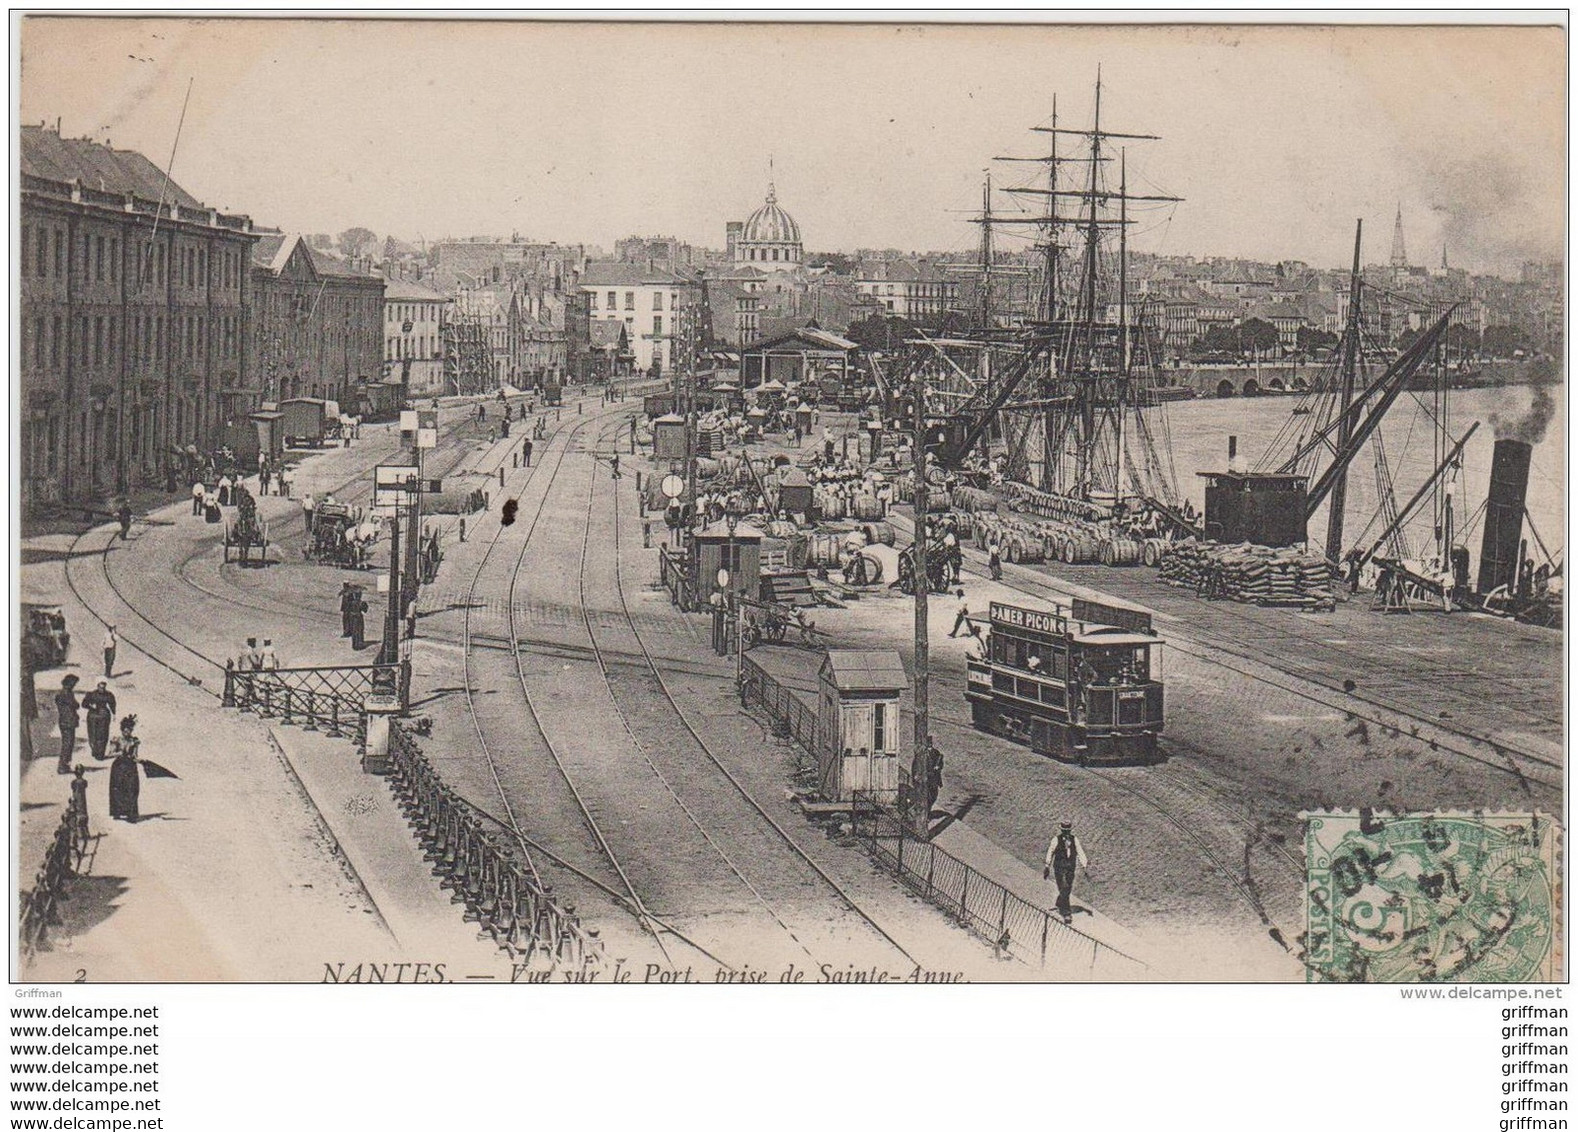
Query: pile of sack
[[1257, 575]]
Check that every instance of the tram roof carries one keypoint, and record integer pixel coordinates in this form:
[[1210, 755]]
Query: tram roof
[[1113, 637]]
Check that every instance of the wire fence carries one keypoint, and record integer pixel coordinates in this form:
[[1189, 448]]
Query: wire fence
[[481, 870], [41, 905], [1013, 925], [789, 714]]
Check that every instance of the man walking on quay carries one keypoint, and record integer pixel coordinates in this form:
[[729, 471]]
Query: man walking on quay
[[67, 715], [962, 621], [1064, 853], [526, 451], [347, 595], [110, 643], [100, 706], [358, 619], [198, 492], [124, 514]]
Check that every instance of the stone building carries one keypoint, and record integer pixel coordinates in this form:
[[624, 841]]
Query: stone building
[[314, 323], [131, 301], [414, 336]]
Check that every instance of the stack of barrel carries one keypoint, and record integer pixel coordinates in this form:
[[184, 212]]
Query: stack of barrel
[[1256, 575]]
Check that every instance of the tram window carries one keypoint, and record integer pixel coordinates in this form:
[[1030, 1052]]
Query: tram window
[[1052, 694], [1059, 664]]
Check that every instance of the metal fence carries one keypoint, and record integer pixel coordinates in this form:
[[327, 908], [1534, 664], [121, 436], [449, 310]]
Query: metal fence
[[330, 699], [791, 718], [674, 574], [480, 869], [1011, 924], [41, 906]]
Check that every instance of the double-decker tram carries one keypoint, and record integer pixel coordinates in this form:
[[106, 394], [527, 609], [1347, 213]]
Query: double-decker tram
[[1081, 684]]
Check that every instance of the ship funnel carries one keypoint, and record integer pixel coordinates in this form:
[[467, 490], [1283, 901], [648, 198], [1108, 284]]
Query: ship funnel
[[1232, 447], [1509, 484]]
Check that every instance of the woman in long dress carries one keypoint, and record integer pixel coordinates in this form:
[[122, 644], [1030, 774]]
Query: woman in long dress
[[125, 775]]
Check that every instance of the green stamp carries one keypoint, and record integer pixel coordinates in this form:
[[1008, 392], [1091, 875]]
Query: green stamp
[[1448, 897]]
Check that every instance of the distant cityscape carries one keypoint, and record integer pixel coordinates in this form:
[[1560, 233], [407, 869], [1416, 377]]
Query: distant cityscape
[[151, 322]]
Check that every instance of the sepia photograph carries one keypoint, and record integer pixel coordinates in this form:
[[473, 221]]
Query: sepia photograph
[[508, 500]]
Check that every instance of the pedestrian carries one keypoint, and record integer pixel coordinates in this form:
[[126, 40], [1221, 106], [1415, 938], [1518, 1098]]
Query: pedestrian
[[269, 660], [124, 514], [358, 623], [307, 506], [226, 485], [67, 715], [933, 782], [100, 706], [616, 465], [110, 642], [962, 620], [199, 492], [346, 597], [994, 560], [1064, 853], [125, 777], [263, 478], [284, 483]]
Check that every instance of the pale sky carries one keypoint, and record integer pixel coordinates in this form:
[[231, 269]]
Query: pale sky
[[1278, 138]]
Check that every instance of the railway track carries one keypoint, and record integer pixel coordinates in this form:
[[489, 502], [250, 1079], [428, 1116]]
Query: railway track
[[680, 760], [510, 777]]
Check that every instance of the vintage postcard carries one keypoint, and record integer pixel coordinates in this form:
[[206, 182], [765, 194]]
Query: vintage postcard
[[511, 501]]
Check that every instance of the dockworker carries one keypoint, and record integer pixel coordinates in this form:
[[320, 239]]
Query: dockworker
[[1064, 852], [199, 492], [284, 483], [615, 463], [358, 621], [434, 556], [307, 506], [263, 478], [110, 643], [125, 776], [100, 706], [254, 655], [124, 514], [994, 561], [67, 716], [244, 657], [962, 620]]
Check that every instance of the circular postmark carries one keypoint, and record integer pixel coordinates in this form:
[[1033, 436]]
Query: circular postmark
[[1428, 898]]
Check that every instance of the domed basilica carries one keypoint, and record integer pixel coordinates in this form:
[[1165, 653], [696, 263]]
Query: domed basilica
[[769, 240]]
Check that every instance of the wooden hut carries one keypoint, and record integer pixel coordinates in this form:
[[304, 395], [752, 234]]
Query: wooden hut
[[715, 548], [858, 724], [668, 437]]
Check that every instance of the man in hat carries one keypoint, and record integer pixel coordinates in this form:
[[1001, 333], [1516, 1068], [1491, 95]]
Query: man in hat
[[358, 613], [270, 659], [962, 619], [1064, 853], [346, 596], [100, 706], [111, 641], [124, 515], [67, 715]]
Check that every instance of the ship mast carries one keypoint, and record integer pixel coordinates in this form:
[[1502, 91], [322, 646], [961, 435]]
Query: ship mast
[[1350, 357]]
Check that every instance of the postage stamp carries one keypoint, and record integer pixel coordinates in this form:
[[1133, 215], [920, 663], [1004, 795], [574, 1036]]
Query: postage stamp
[[1439, 897]]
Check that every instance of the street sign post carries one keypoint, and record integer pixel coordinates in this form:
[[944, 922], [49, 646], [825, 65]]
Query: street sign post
[[673, 486], [394, 484]]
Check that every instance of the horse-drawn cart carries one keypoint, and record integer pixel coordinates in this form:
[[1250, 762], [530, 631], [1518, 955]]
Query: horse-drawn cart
[[246, 536]]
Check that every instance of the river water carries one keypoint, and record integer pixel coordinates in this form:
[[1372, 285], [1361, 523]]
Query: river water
[[1200, 429]]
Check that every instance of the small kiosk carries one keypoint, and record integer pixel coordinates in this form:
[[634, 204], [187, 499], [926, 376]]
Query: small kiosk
[[739, 551], [668, 437], [858, 724], [794, 492]]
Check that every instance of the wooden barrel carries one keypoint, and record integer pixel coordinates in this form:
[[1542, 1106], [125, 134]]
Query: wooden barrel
[[964, 523], [1155, 548], [867, 507], [1122, 552], [1085, 548], [880, 534], [781, 528]]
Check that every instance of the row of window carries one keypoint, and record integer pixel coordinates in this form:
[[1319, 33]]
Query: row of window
[[424, 346], [411, 312], [630, 300], [44, 256], [98, 344], [751, 253]]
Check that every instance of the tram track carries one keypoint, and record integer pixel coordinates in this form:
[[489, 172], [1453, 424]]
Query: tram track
[[623, 890], [757, 815]]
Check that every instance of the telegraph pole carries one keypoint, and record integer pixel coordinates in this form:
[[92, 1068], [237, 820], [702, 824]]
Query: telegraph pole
[[920, 815], [1350, 355]]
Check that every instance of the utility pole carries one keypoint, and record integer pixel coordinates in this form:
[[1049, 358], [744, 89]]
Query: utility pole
[[920, 816], [1350, 355], [690, 403]]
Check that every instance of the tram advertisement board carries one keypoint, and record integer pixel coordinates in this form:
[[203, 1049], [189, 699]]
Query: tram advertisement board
[[1035, 620]]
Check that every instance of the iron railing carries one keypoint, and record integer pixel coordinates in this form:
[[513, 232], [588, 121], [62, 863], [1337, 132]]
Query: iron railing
[[41, 906], [791, 718], [330, 699], [481, 870], [1013, 925]]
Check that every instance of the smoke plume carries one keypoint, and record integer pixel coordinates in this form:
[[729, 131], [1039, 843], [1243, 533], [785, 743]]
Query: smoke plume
[[1530, 427]]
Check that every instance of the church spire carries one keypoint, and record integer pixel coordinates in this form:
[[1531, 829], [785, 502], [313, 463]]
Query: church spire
[[772, 190], [1399, 249]]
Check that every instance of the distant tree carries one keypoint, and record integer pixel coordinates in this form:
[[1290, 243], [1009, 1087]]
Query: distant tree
[[1258, 335], [1500, 341], [1310, 338], [879, 332], [1462, 339], [354, 241], [836, 262]]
